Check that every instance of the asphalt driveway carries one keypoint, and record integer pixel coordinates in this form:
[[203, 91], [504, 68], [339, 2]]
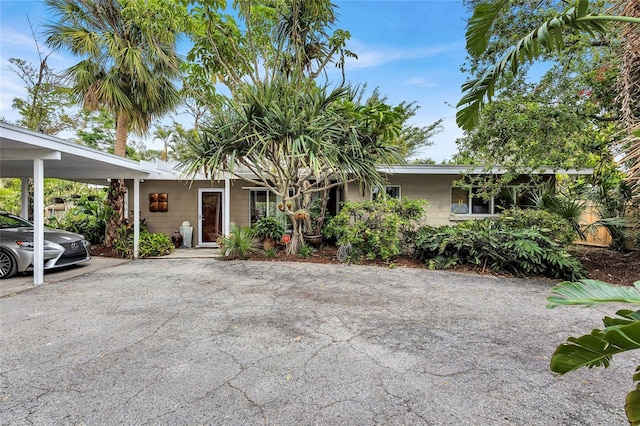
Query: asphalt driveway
[[200, 341]]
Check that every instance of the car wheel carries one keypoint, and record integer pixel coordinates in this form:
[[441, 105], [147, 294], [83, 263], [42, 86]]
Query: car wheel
[[8, 265]]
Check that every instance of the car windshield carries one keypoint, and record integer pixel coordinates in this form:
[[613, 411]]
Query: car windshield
[[11, 221]]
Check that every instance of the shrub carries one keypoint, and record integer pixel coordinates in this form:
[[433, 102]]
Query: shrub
[[88, 217], [268, 227], [550, 224], [238, 244], [495, 246], [150, 245], [305, 251], [375, 229]]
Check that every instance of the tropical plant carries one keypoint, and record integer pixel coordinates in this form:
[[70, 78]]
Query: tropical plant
[[268, 227], [375, 229], [552, 225], [496, 246], [551, 36], [296, 139], [150, 244], [87, 217], [125, 69], [238, 244], [305, 251], [596, 349]]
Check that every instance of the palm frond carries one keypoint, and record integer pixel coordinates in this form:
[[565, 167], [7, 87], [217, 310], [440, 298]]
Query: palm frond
[[591, 292], [480, 24]]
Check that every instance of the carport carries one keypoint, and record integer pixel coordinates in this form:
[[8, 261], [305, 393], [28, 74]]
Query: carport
[[30, 155]]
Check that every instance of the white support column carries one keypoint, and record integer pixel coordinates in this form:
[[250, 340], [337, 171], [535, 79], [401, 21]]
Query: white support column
[[24, 198], [38, 222], [226, 223], [136, 217]]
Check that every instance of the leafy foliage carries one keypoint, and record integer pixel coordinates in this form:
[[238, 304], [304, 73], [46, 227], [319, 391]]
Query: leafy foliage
[[549, 36], [496, 246], [150, 245], [238, 244], [296, 139], [620, 333], [375, 229], [124, 69], [549, 224], [44, 108], [268, 227]]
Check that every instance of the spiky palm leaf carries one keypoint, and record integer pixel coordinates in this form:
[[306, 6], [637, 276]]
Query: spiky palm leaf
[[549, 36]]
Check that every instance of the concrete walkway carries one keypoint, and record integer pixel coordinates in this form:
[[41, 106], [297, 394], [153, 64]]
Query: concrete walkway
[[200, 341]]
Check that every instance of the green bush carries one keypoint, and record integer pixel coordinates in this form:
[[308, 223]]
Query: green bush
[[150, 245], [495, 246], [88, 217], [550, 224], [376, 229], [238, 244], [268, 227], [90, 226]]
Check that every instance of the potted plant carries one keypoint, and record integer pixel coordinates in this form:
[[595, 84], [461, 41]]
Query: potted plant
[[315, 221], [269, 230]]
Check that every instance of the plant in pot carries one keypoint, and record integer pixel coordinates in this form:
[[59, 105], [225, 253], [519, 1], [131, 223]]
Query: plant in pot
[[314, 223], [269, 230]]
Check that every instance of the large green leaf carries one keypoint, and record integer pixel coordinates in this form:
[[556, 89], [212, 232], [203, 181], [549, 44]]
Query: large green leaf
[[591, 292], [632, 405], [595, 349]]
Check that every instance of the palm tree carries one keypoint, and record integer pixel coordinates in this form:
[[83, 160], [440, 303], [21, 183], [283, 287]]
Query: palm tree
[[126, 70], [295, 139]]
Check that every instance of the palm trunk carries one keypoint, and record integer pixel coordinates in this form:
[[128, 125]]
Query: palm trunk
[[115, 199]]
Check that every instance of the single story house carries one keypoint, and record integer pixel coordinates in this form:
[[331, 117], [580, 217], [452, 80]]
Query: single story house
[[210, 206], [165, 200]]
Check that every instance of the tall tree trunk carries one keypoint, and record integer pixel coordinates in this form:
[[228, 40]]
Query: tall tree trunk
[[115, 199], [629, 91]]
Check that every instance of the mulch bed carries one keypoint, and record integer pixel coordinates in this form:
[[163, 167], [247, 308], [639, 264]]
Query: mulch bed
[[622, 268]]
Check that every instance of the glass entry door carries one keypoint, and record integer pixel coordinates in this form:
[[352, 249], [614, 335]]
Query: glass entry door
[[210, 216]]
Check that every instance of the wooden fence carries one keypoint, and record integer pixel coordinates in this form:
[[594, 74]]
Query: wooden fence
[[600, 237]]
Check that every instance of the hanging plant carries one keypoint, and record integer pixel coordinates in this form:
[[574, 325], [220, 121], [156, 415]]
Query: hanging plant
[[301, 215]]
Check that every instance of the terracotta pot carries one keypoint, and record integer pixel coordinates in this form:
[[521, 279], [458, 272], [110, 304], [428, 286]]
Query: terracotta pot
[[268, 244]]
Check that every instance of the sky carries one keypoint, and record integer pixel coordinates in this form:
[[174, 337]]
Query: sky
[[411, 50]]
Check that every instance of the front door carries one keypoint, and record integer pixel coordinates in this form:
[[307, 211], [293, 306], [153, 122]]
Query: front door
[[210, 216]]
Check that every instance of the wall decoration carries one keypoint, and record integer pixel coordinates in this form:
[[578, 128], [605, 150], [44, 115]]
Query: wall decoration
[[159, 202]]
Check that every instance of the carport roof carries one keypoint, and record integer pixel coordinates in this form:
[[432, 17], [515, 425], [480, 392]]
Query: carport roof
[[63, 159]]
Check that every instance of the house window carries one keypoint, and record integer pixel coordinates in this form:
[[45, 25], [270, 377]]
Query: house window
[[390, 191], [261, 204], [469, 201]]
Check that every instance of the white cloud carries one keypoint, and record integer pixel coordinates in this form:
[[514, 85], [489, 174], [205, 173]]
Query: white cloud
[[369, 56], [419, 82]]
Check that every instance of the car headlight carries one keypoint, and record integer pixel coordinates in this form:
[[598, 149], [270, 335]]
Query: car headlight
[[48, 245]]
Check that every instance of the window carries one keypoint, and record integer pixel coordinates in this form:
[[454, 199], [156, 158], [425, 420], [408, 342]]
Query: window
[[469, 202], [262, 203], [390, 191]]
